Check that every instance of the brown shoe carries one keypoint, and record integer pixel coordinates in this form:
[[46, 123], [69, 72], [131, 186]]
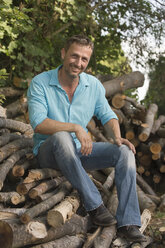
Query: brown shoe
[[131, 233], [102, 217]]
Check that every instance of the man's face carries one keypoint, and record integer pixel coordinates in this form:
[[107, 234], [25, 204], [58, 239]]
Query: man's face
[[75, 59]]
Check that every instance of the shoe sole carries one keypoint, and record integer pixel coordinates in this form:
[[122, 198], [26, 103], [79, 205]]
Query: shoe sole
[[103, 224], [129, 239]]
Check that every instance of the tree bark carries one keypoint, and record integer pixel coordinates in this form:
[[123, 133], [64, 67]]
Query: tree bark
[[47, 204], [149, 120], [144, 201], [10, 92], [19, 126], [157, 124], [39, 174], [9, 163], [16, 108], [17, 235], [64, 242], [63, 211], [104, 240], [8, 137], [14, 146], [120, 84], [45, 186]]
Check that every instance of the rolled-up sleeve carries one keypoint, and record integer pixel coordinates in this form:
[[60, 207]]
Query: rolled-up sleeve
[[103, 110], [37, 105]]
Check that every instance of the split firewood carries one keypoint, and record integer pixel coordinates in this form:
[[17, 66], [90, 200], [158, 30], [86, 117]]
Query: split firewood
[[118, 101], [100, 186], [45, 186], [104, 240], [9, 163], [63, 211], [19, 169], [11, 92], [148, 241], [19, 126], [64, 242], [23, 188], [16, 108], [39, 174], [120, 84], [135, 103], [145, 219], [75, 225], [14, 146], [113, 202], [144, 185], [162, 204], [128, 110], [154, 198], [157, 124], [144, 201], [157, 177], [91, 238], [14, 234], [11, 213], [110, 180], [161, 132], [45, 196], [98, 175], [11, 198], [96, 133], [2, 112], [156, 147], [8, 137], [149, 120], [47, 204]]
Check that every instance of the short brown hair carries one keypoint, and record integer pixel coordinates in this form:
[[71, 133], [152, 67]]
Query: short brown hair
[[79, 39]]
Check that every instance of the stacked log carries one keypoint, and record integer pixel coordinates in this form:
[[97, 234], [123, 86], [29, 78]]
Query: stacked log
[[40, 208]]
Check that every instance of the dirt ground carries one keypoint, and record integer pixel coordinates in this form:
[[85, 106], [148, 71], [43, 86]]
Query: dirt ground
[[154, 230]]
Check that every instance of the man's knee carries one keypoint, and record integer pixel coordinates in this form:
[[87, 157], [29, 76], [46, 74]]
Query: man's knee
[[63, 142], [127, 157]]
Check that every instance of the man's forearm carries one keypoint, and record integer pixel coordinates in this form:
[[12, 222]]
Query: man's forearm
[[113, 125], [49, 126]]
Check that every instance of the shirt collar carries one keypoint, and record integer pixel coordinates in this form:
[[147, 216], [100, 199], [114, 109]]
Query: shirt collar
[[54, 78]]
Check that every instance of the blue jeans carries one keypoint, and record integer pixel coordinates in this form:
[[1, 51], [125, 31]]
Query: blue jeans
[[59, 152]]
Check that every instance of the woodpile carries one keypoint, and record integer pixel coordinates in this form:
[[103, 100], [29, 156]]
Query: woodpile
[[39, 207]]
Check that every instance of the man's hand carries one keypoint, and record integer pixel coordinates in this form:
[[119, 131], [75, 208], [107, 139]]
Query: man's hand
[[85, 140], [120, 141]]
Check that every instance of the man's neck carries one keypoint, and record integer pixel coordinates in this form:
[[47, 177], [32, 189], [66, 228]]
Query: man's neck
[[67, 80]]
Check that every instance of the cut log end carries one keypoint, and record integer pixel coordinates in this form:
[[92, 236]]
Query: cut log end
[[6, 235], [25, 218], [37, 229], [143, 137]]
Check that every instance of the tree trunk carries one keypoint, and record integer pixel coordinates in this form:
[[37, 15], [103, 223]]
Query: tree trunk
[[63, 211], [120, 84], [45, 186], [104, 240], [149, 120], [144, 201], [18, 234], [14, 146], [64, 242], [8, 137], [47, 204], [39, 174], [9, 163]]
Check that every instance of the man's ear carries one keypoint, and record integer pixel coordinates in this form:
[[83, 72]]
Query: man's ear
[[62, 53]]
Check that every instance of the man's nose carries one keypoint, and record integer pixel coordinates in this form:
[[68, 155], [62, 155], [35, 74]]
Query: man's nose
[[78, 62]]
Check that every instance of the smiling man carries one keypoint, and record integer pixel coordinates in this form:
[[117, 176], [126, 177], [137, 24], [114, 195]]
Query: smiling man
[[61, 102]]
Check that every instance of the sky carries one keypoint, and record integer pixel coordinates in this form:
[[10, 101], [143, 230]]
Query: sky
[[143, 69]]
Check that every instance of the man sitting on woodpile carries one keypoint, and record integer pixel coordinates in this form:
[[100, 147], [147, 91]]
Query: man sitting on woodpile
[[61, 103]]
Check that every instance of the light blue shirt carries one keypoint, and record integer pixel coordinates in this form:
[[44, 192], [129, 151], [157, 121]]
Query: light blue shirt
[[47, 99]]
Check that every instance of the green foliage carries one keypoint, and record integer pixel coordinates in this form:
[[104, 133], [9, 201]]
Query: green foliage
[[33, 32], [156, 91]]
